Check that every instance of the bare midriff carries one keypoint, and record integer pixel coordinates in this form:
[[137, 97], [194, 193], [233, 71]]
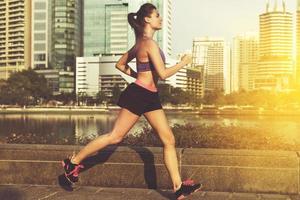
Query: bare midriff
[[147, 80]]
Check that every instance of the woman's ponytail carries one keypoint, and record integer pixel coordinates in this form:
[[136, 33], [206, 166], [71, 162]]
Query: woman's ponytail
[[132, 20], [133, 23]]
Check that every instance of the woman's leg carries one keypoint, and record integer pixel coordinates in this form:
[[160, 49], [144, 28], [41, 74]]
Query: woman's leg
[[123, 124], [158, 121]]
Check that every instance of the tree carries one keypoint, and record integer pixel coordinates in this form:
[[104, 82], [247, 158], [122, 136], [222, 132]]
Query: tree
[[179, 96], [215, 96], [165, 93], [66, 98], [24, 88], [101, 97], [115, 94]]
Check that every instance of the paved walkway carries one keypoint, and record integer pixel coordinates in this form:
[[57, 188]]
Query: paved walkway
[[22, 192]]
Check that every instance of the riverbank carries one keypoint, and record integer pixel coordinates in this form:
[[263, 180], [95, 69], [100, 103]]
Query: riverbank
[[188, 110], [186, 136]]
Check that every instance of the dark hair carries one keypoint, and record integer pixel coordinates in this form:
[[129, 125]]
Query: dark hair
[[138, 23]]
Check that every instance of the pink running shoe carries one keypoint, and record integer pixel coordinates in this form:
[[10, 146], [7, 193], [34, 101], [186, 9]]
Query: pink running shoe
[[187, 187], [71, 170]]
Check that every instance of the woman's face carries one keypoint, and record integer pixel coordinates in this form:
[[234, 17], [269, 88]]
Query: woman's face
[[154, 20]]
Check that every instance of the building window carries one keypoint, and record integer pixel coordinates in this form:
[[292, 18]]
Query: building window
[[40, 47], [39, 66], [40, 5], [40, 36], [39, 26], [40, 16], [39, 57]]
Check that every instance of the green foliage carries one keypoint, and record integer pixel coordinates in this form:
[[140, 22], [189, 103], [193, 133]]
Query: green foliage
[[215, 136], [175, 96], [164, 93], [263, 98], [214, 97], [256, 98], [186, 136], [101, 97], [65, 98], [116, 91], [24, 88]]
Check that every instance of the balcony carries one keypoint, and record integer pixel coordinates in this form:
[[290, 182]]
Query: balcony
[[16, 19], [15, 25]]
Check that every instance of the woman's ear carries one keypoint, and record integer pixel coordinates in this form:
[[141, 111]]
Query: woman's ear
[[147, 19]]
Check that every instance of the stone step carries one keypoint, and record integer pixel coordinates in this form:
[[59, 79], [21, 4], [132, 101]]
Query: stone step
[[245, 171]]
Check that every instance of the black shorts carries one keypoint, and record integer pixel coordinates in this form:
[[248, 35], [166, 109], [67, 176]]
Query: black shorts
[[139, 100]]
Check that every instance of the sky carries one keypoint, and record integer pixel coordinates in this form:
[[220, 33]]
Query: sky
[[217, 18]]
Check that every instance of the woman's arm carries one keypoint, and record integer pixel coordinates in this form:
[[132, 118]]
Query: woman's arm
[[122, 63], [163, 72]]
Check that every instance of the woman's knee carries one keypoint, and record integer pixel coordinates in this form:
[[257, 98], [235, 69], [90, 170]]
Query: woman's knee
[[169, 141], [114, 138]]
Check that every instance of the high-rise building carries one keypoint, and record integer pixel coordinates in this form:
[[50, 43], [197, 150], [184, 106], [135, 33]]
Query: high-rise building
[[194, 81], [40, 34], [275, 67], [298, 44], [15, 36], [106, 30], [66, 33], [244, 61], [213, 55]]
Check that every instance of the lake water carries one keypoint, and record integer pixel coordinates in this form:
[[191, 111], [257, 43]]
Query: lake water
[[85, 125]]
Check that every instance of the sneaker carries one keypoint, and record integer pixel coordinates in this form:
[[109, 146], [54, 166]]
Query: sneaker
[[187, 187], [71, 170]]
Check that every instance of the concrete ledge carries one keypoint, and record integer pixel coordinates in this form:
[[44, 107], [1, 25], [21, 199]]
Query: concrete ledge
[[243, 170], [143, 167], [138, 167]]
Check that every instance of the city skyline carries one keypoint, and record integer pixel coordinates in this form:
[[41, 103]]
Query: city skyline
[[203, 12]]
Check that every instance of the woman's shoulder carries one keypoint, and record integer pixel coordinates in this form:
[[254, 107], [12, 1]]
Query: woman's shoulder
[[145, 44], [150, 44]]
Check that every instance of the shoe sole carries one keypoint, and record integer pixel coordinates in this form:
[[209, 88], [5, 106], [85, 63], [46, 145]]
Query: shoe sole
[[183, 197], [63, 164]]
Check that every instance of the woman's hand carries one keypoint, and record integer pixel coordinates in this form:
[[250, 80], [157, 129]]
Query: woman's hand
[[186, 59]]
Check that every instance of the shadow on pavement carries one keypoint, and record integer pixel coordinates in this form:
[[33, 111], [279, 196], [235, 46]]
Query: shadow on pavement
[[8, 193], [146, 156]]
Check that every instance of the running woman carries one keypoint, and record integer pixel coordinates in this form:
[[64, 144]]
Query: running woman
[[141, 97]]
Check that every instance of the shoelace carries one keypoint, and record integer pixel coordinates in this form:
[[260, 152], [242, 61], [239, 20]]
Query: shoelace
[[188, 182], [77, 169]]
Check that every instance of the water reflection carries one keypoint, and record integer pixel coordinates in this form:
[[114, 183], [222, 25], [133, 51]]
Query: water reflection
[[85, 125]]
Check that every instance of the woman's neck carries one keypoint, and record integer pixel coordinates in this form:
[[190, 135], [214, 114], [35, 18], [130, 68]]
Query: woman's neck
[[148, 32]]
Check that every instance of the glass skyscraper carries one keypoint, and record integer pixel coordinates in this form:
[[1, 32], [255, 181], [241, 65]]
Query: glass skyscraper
[[66, 33], [275, 67], [106, 30], [40, 34]]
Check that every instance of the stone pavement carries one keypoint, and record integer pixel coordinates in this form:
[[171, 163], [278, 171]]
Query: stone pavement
[[39, 192]]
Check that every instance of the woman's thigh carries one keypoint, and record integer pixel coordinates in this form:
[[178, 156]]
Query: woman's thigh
[[158, 120], [124, 122]]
